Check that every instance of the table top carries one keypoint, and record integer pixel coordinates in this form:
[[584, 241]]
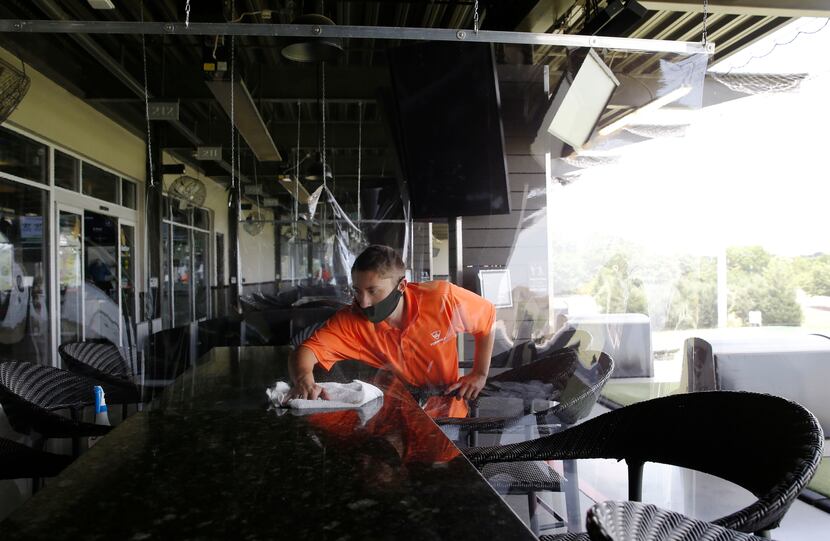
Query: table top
[[211, 461]]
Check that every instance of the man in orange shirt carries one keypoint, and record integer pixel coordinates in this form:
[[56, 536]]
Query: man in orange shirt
[[409, 328]]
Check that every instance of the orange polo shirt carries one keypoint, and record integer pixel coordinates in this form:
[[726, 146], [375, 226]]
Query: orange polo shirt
[[424, 352]]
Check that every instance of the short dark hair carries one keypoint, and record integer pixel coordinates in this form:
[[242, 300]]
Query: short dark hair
[[380, 259]]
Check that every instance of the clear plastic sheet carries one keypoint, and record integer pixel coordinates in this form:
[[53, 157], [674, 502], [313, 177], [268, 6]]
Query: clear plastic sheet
[[623, 206]]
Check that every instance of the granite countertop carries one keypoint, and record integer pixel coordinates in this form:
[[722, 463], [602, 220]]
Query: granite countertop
[[209, 460]]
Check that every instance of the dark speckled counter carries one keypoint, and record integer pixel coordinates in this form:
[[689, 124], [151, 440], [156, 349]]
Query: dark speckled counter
[[210, 461]]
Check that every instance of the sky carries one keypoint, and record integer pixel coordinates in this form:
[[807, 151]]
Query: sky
[[748, 171]]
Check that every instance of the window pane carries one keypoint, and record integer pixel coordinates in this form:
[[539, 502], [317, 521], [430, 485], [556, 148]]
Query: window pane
[[180, 214], [200, 277], [70, 276], [22, 157], [99, 183], [67, 171], [128, 193], [165, 207], [101, 310], [127, 246], [182, 277], [24, 264], [201, 219], [220, 259], [166, 305]]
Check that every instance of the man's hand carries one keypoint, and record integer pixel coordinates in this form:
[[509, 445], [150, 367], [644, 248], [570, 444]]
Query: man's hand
[[468, 386], [306, 388]]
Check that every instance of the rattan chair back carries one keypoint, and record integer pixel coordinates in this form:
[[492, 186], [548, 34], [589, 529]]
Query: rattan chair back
[[32, 393], [98, 358], [576, 379], [106, 363], [622, 521], [766, 444]]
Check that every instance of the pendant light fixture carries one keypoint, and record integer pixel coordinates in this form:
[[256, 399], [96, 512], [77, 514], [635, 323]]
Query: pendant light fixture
[[313, 49]]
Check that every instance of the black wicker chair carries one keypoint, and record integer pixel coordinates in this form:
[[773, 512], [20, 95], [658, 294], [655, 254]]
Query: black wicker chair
[[18, 461], [623, 521], [115, 368], [31, 394], [764, 443], [575, 379], [568, 376]]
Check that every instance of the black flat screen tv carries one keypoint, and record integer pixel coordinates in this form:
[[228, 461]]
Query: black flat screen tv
[[449, 130]]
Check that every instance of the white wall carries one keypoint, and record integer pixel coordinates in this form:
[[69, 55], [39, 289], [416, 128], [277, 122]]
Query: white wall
[[257, 252], [53, 113]]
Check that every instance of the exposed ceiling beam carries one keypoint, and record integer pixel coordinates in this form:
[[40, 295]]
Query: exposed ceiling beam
[[543, 15], [774, 8]]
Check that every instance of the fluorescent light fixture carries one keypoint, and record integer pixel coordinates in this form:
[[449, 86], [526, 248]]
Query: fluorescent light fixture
[[101, 4], [653, 105], [247, 118], [294, 188], [577, 105]]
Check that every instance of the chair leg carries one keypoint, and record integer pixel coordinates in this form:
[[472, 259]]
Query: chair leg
[[76, 440], [635, 480], [572, 504], [560, 522], [531, 510]]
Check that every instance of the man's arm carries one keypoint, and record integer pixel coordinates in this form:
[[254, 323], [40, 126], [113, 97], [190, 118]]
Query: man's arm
[[471, 384], [300, 370]]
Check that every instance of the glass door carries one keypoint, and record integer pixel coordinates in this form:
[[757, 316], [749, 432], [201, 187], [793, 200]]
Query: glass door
[[127, 281], [70, 274], [182, 277], [102, 308], [200, 269]]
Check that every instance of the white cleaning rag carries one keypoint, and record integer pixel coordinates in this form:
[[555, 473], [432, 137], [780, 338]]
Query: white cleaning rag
[[341, 395]]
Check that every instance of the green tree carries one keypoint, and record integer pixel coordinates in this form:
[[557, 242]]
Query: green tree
[[693, 303], [759, 281], [747, 259], [616, 290], [812, 274]]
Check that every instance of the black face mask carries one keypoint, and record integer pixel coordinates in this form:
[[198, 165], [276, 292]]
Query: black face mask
[[383, 309]]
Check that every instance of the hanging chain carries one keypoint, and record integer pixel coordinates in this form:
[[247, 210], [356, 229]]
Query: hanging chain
[[475, 17], [187, 14], [147, 105], [323, 105], [359, 153], [297, 172], [705, 17]]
